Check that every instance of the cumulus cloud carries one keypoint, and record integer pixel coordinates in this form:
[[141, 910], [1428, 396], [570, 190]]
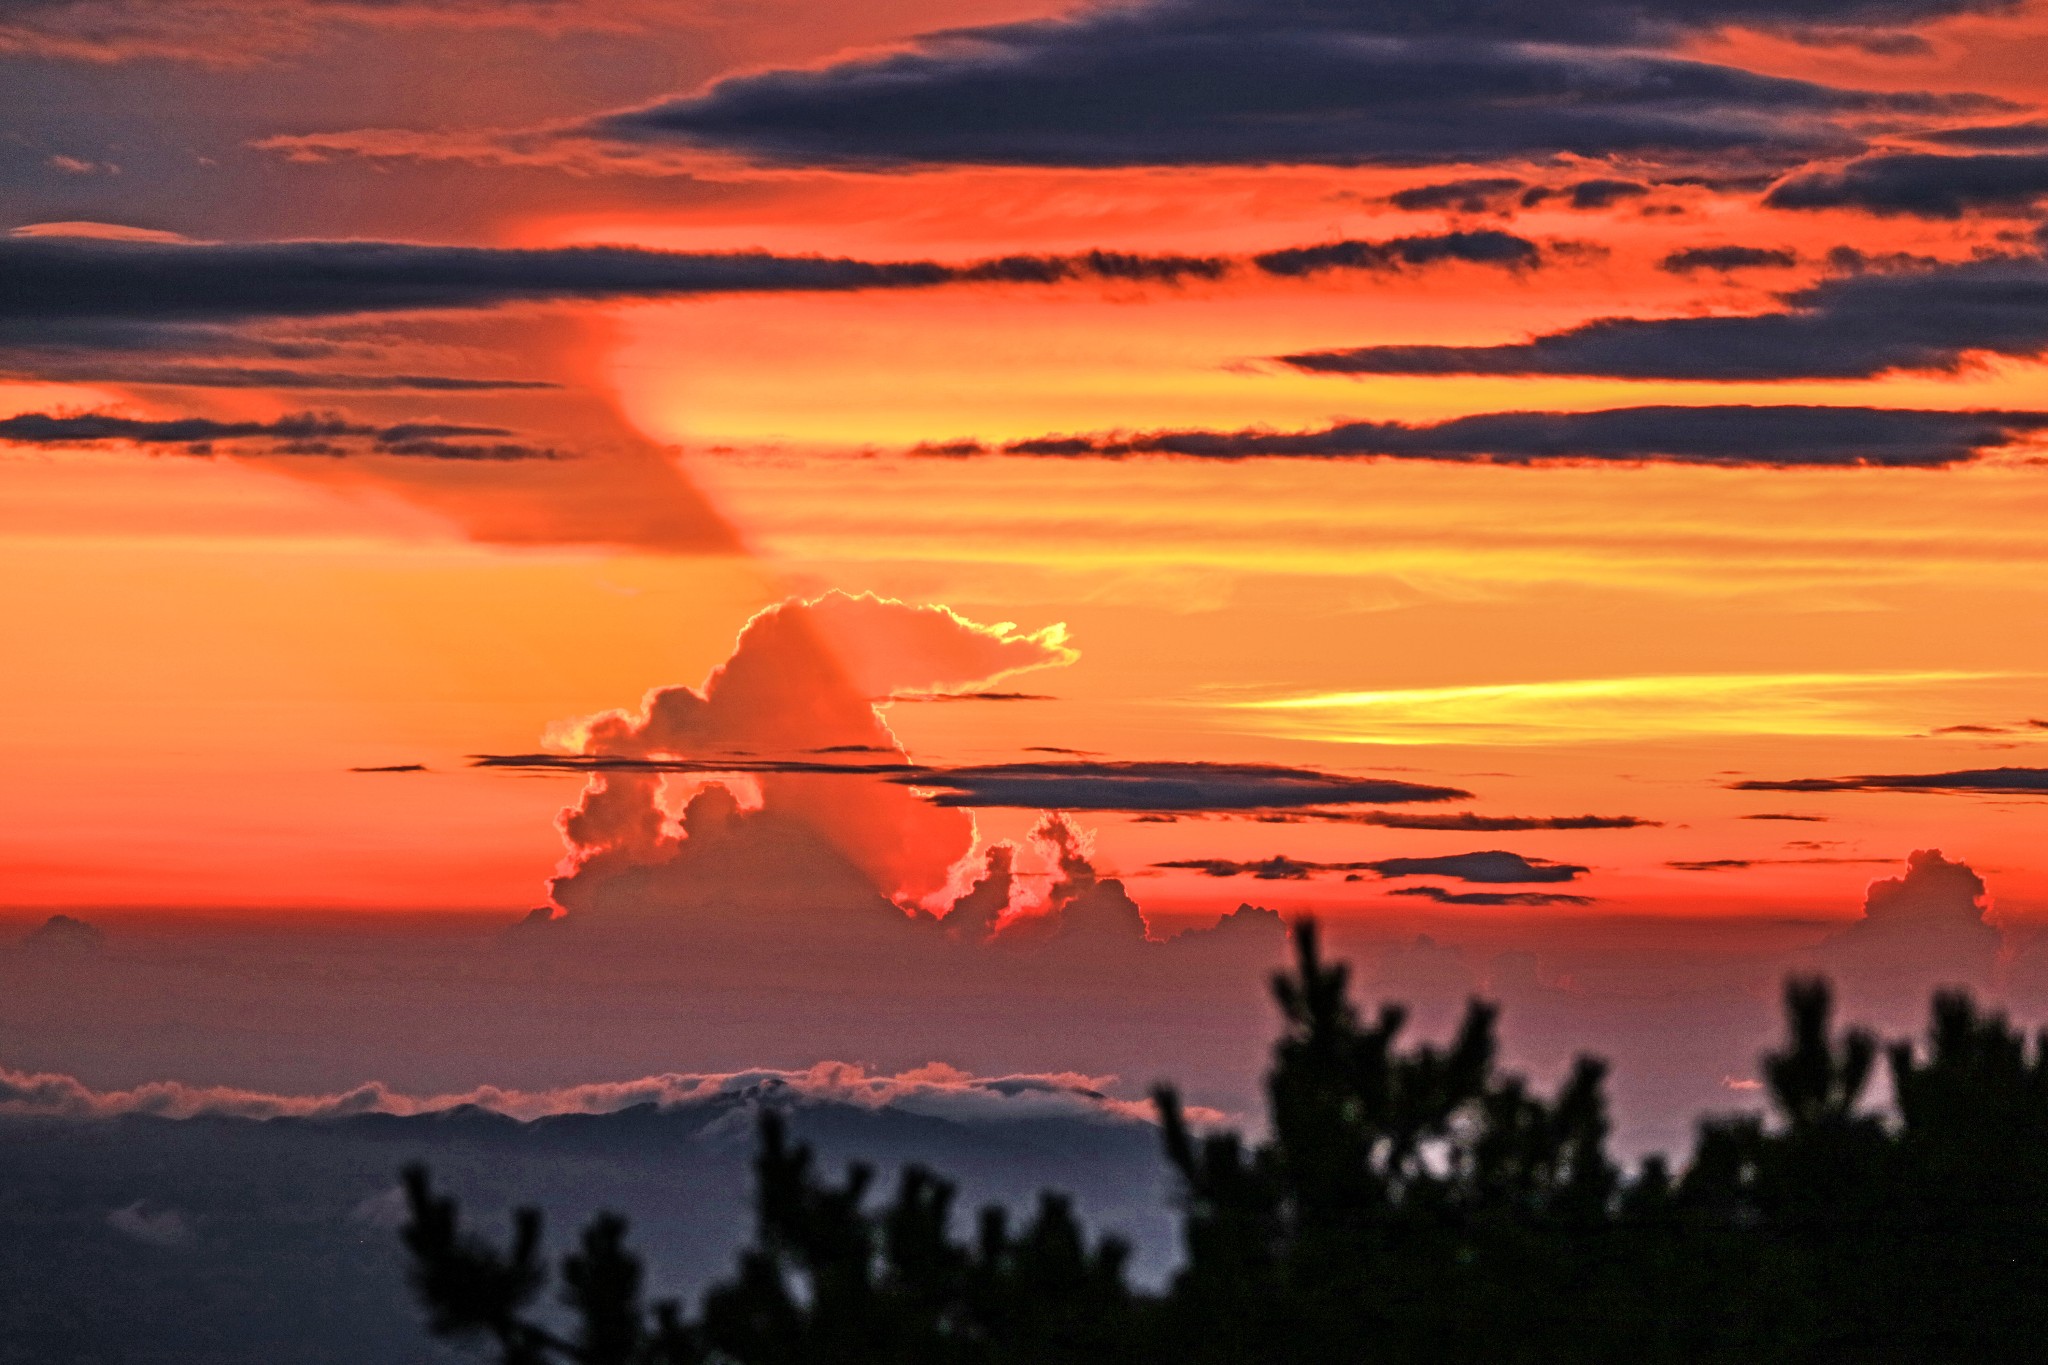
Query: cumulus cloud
[[1922, 185], [804, 678], [1342, 82], [306, 433], [1850, 326], [1976, 781], [1731, 435], [1928, 925]]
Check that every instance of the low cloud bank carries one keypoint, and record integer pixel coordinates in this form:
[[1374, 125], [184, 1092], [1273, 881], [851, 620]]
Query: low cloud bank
[[935, 1090]]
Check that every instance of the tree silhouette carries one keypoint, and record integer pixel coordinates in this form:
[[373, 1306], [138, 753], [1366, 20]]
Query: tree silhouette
[[1410, 1204]]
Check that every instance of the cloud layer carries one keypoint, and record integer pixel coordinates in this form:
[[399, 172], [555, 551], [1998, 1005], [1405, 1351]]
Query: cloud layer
[[1342, 82], [1851, 326], [1728, 435], [936, 1090]]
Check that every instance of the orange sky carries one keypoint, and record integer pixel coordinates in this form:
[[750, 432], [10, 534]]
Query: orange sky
[[200, 647]]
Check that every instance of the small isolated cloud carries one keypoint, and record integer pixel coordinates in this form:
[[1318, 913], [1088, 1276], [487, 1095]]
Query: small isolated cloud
[[1922, 185], [1465, 821], [1975, 781], [1727, 258], [1588, 195], [163, 1228], [1743, 864], [1475, 194], [1397, 253], [1492, 865], [1487, 867], [1927, 317], [1532, 899], [1730, 436]]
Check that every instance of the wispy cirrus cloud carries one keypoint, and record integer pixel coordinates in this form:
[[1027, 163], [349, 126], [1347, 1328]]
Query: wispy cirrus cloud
[[1587, 710]]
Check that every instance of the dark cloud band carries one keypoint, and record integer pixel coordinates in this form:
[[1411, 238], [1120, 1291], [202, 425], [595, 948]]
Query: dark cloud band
[[96, 282], [1204, 82], [1921, 185], [1492, 866], [1975, 781], [1852, 326], [1730, 435], [308, 433], [1091, 786]]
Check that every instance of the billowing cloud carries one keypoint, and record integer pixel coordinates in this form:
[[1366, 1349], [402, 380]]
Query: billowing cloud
[[804, 678], [1927, 926], [1343, 82], [1922, 185], [1852, 326], [306, 433], [1732, 435], [1977, 781]]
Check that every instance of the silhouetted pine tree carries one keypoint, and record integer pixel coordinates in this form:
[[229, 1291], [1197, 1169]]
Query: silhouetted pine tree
[[1409, 1205]]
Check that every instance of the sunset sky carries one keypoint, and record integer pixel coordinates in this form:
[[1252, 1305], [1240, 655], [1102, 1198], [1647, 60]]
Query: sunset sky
[[1311, 444]]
